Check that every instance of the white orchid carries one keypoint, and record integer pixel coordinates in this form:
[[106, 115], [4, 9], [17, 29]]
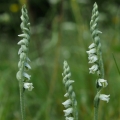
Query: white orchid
[[102, 82], [92, 46], [28, 86], [104, 97], [93, 69], [68, 111], [92, 51], [93, 58], [67, 103]]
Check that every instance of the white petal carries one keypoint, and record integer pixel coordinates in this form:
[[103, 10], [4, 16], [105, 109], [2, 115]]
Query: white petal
[[92, 51], [92, 46], [93, 58], [66, 95], [69, 82], [27, 65], [93, 69], [22, 35], [67, 103], [26, 75], [68, 111], [28, 86], [102, 82], [20, 51], [104, 97]]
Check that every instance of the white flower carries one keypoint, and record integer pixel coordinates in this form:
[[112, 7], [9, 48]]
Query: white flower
[[92, 51], [68, 111], [104, 97], [26, 75], [69, 118], [102, 82], [66, 95], [93, 69], [92, 46], [93, 58], [28, 86], [67, 103]]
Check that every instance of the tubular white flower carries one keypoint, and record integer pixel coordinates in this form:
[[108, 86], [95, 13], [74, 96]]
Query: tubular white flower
[[67, 103], [93, 58], [104, 97], [92, 46], [92, 51], [102, 82], [28, 86], [26, 75], [93, 69], [69, 118], [68, 111], [66, 95]]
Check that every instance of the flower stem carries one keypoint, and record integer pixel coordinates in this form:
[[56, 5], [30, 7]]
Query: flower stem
[[22, 99], [95, 113]]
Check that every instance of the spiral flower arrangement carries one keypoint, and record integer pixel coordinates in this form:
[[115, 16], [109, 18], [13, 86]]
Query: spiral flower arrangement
[[95, 57], [70, 104], [23, 64]]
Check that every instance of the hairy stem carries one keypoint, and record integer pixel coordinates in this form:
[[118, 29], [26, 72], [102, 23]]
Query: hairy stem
[[22, 99]]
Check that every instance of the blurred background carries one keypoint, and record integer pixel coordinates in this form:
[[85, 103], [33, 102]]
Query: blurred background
[[59, 31]]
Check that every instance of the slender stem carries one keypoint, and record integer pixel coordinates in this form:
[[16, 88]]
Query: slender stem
[[22, 99], [95, 113]]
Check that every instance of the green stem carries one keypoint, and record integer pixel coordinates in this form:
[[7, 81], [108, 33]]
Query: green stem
[[95, 113], [22, 99]]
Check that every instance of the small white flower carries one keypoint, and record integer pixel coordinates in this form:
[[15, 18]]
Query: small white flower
[[26, 75], [104, 97], [102, 82], [67, 103], [27, 65], [93, 69], [93, 58], [28, 86], [92, 51], [68, 111], [66, 95], [92, 46], [69, 118]]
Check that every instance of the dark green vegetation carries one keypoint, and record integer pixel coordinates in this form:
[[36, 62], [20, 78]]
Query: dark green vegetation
[[61, 34]]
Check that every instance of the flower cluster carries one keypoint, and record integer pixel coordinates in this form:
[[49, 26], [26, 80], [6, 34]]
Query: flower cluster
[[93, 58], [70, 104], [23, 64], [95, 54]]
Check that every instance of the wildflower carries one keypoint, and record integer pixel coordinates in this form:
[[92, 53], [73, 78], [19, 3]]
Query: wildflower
[[92, 46], [26, 75], [68, 111], [91, 51], [66, 95], [67, 103], [92, 58], [102, 82], [28, 86], [104, 97], [93, 69]]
